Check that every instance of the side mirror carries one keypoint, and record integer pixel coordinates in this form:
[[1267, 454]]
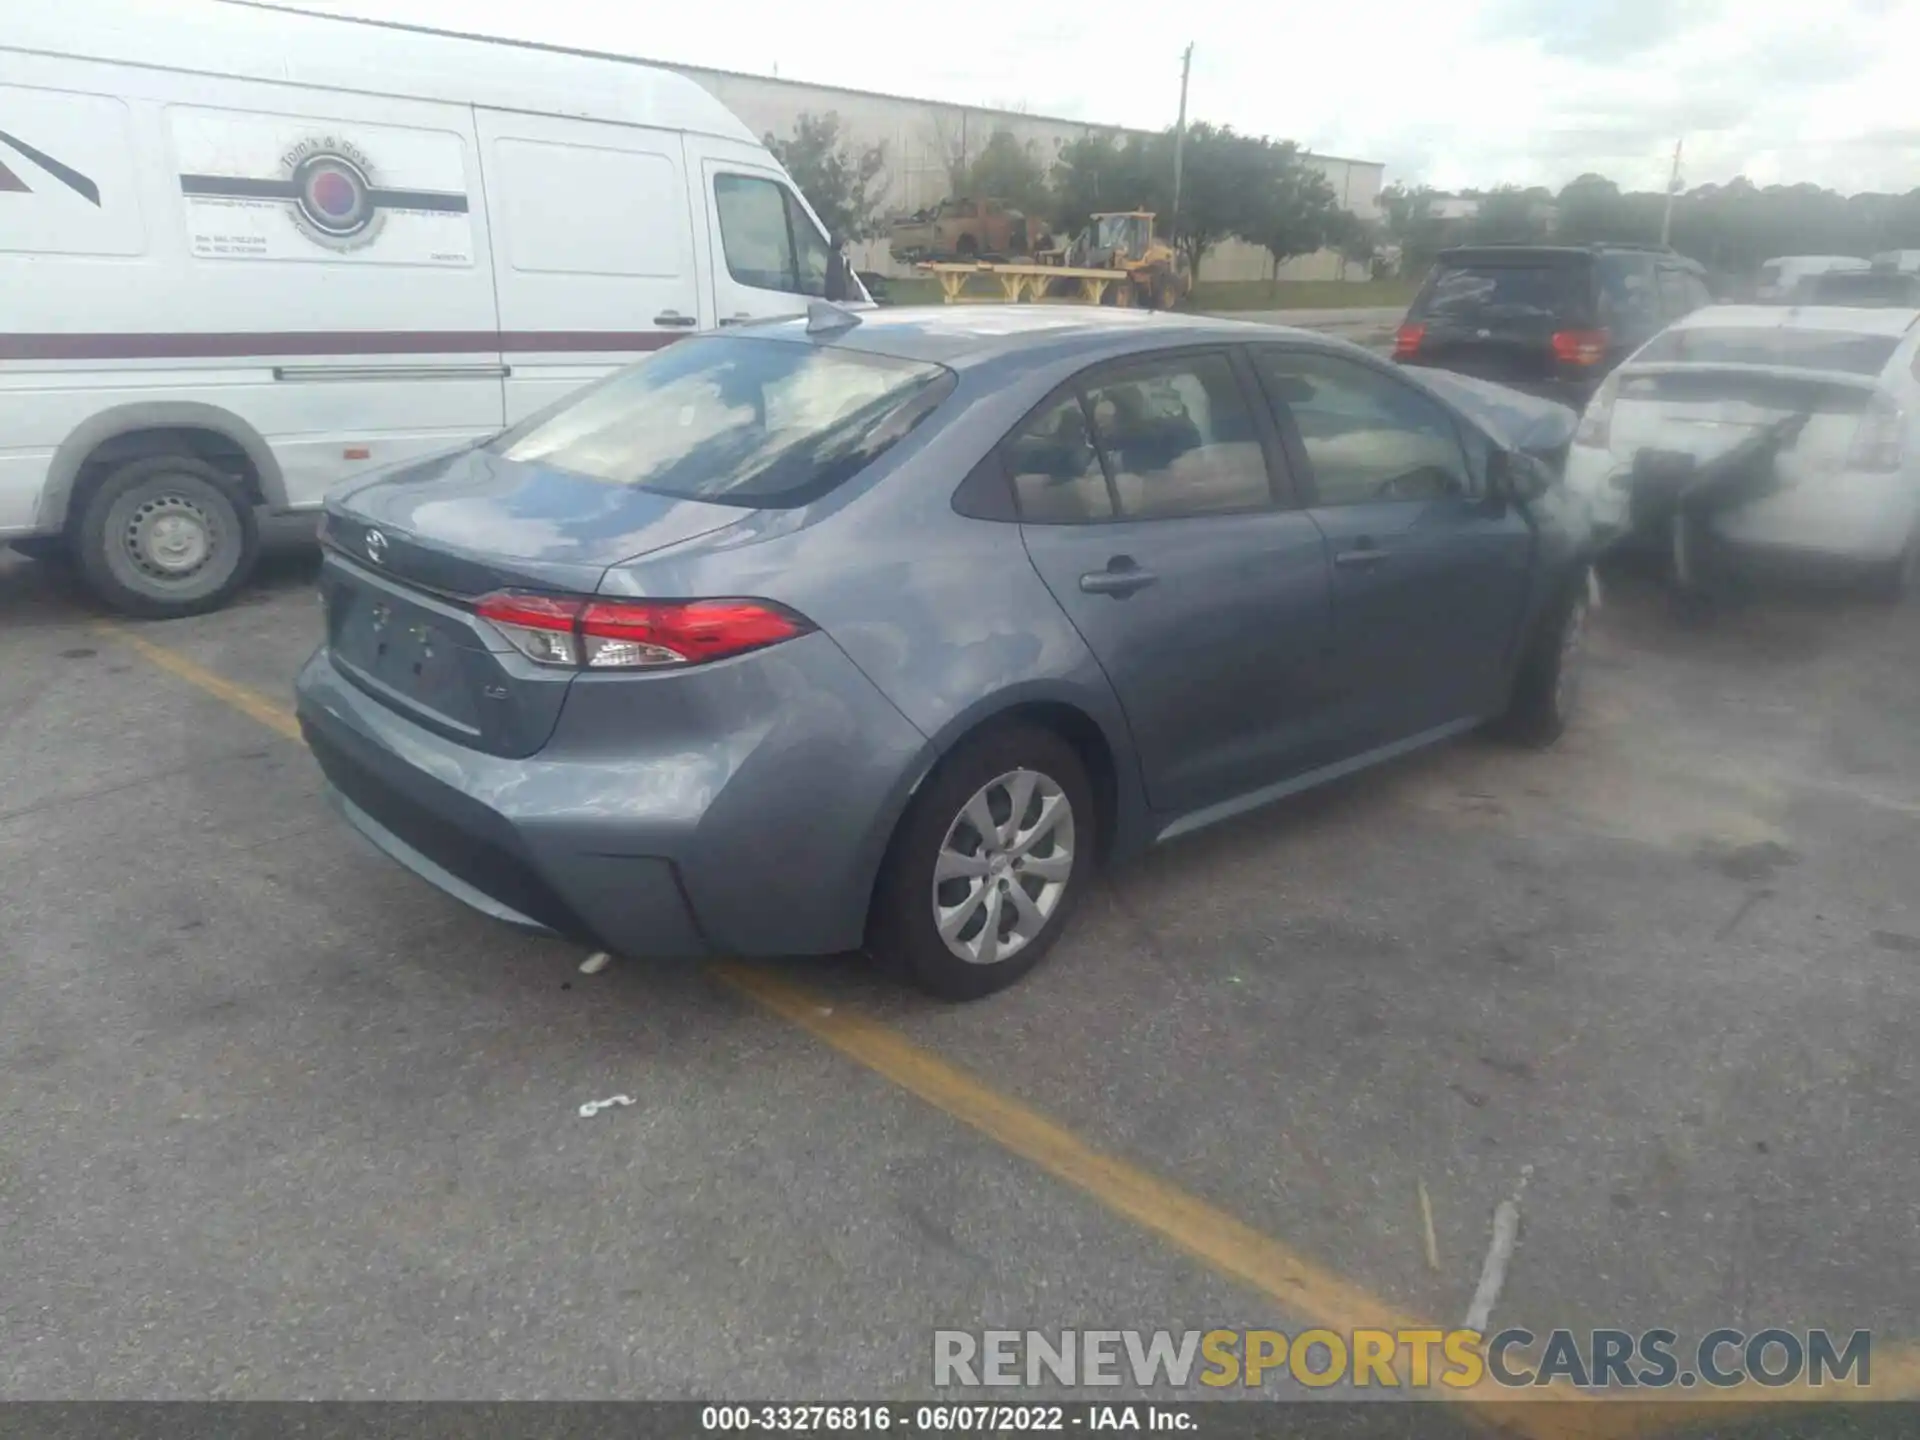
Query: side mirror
[[1517, 476], [839, 273]]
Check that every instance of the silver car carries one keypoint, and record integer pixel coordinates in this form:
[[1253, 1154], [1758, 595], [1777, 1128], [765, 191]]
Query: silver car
[[886, 631]]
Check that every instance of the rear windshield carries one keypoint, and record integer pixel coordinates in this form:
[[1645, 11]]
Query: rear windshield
[[1474, 290], [1833, 350], [736, 420]]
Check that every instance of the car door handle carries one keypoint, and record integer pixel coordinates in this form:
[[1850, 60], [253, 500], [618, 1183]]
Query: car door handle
[[1361, 557], [1117, 580], [674, 317]]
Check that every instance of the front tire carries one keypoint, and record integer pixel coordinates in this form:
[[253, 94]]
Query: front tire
[[987, 864], [1546, 691], [165, 537]]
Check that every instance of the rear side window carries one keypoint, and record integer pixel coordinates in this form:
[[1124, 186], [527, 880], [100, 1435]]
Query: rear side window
[[738, 421], [1628, 297], [1150, 440], [1502, 291], [769, 241], [1178, 438], [1834, 350], [1057, 479]]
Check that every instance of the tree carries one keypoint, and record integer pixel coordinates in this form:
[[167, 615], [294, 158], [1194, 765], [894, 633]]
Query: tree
[[1007, 170], [1222, 187], [838, 180], [1412, 222], [1289, 208], [1509, 215], [1098, 173]]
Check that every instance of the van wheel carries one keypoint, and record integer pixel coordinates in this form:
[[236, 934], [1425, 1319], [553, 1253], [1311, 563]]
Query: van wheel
[[987, 864], [165, 537], [1547, 689]]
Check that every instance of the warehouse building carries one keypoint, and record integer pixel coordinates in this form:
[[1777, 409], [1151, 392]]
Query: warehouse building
[[921, 136]]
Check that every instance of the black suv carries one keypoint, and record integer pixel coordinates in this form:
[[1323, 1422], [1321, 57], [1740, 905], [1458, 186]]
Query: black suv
[[1548, 319]]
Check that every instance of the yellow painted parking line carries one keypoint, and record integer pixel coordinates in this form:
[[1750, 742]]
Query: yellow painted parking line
[[1225, 1244], [276, 716]]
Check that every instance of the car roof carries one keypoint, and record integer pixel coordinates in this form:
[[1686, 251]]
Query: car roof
[[1493, 253], [1887, 320], [964, 335]]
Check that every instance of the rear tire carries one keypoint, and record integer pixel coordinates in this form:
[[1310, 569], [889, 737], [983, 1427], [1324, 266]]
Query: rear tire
[[166, 537], [1547, 689], [965, 936]]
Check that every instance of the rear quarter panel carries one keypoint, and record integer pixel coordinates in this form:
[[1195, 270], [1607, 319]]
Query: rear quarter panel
[[944, 614]]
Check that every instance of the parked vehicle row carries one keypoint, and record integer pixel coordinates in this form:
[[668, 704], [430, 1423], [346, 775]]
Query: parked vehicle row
[[249, 254], [835, 632], [1777, 432]]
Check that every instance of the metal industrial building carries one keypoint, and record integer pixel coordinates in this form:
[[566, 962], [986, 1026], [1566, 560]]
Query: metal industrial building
[[919, 135]]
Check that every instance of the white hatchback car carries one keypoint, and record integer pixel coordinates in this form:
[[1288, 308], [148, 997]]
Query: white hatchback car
[[1844, 485]]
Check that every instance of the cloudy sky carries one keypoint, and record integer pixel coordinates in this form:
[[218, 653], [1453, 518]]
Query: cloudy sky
[[1465, 92]]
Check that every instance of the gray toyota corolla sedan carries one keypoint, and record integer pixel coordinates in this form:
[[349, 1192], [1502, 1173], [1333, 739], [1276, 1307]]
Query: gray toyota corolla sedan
[[887, 630]]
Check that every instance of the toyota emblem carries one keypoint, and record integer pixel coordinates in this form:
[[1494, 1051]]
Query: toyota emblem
[[376, 547]]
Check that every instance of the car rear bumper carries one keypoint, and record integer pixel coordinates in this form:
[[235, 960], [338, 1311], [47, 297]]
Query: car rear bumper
[[761, 839]]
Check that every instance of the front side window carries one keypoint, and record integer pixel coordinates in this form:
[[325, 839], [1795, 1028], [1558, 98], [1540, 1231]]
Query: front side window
[[1369, 437], [738, 421], [769, 240]]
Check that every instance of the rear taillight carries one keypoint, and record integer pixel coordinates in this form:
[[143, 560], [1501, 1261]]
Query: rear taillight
[[1406, 340], [581, 634], [1596, 421], [1580, 347], [1877, 438]]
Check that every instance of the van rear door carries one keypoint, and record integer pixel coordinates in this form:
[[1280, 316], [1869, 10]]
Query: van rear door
[[594, 248]]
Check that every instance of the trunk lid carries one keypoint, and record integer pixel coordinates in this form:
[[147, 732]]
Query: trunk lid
[[409, 552], [1704, 411]]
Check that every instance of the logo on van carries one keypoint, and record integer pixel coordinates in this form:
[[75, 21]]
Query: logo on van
[[65, 174], [332, 191]]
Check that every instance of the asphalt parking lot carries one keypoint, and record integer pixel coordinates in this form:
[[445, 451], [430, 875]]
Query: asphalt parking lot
[[278, 1120]]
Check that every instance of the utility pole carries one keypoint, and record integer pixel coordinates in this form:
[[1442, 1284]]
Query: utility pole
[[1673, 188], [1180, 139]]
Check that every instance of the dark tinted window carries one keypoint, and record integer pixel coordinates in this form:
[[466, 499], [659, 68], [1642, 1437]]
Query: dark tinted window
[[1628, 298], [735, 420], [1057, 477], [1774, 345], [1474, 290], [769, 241], [1368, 436], [1178, 438]]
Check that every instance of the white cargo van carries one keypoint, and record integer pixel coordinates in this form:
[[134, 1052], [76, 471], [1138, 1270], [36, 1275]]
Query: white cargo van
[[247, 254]]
